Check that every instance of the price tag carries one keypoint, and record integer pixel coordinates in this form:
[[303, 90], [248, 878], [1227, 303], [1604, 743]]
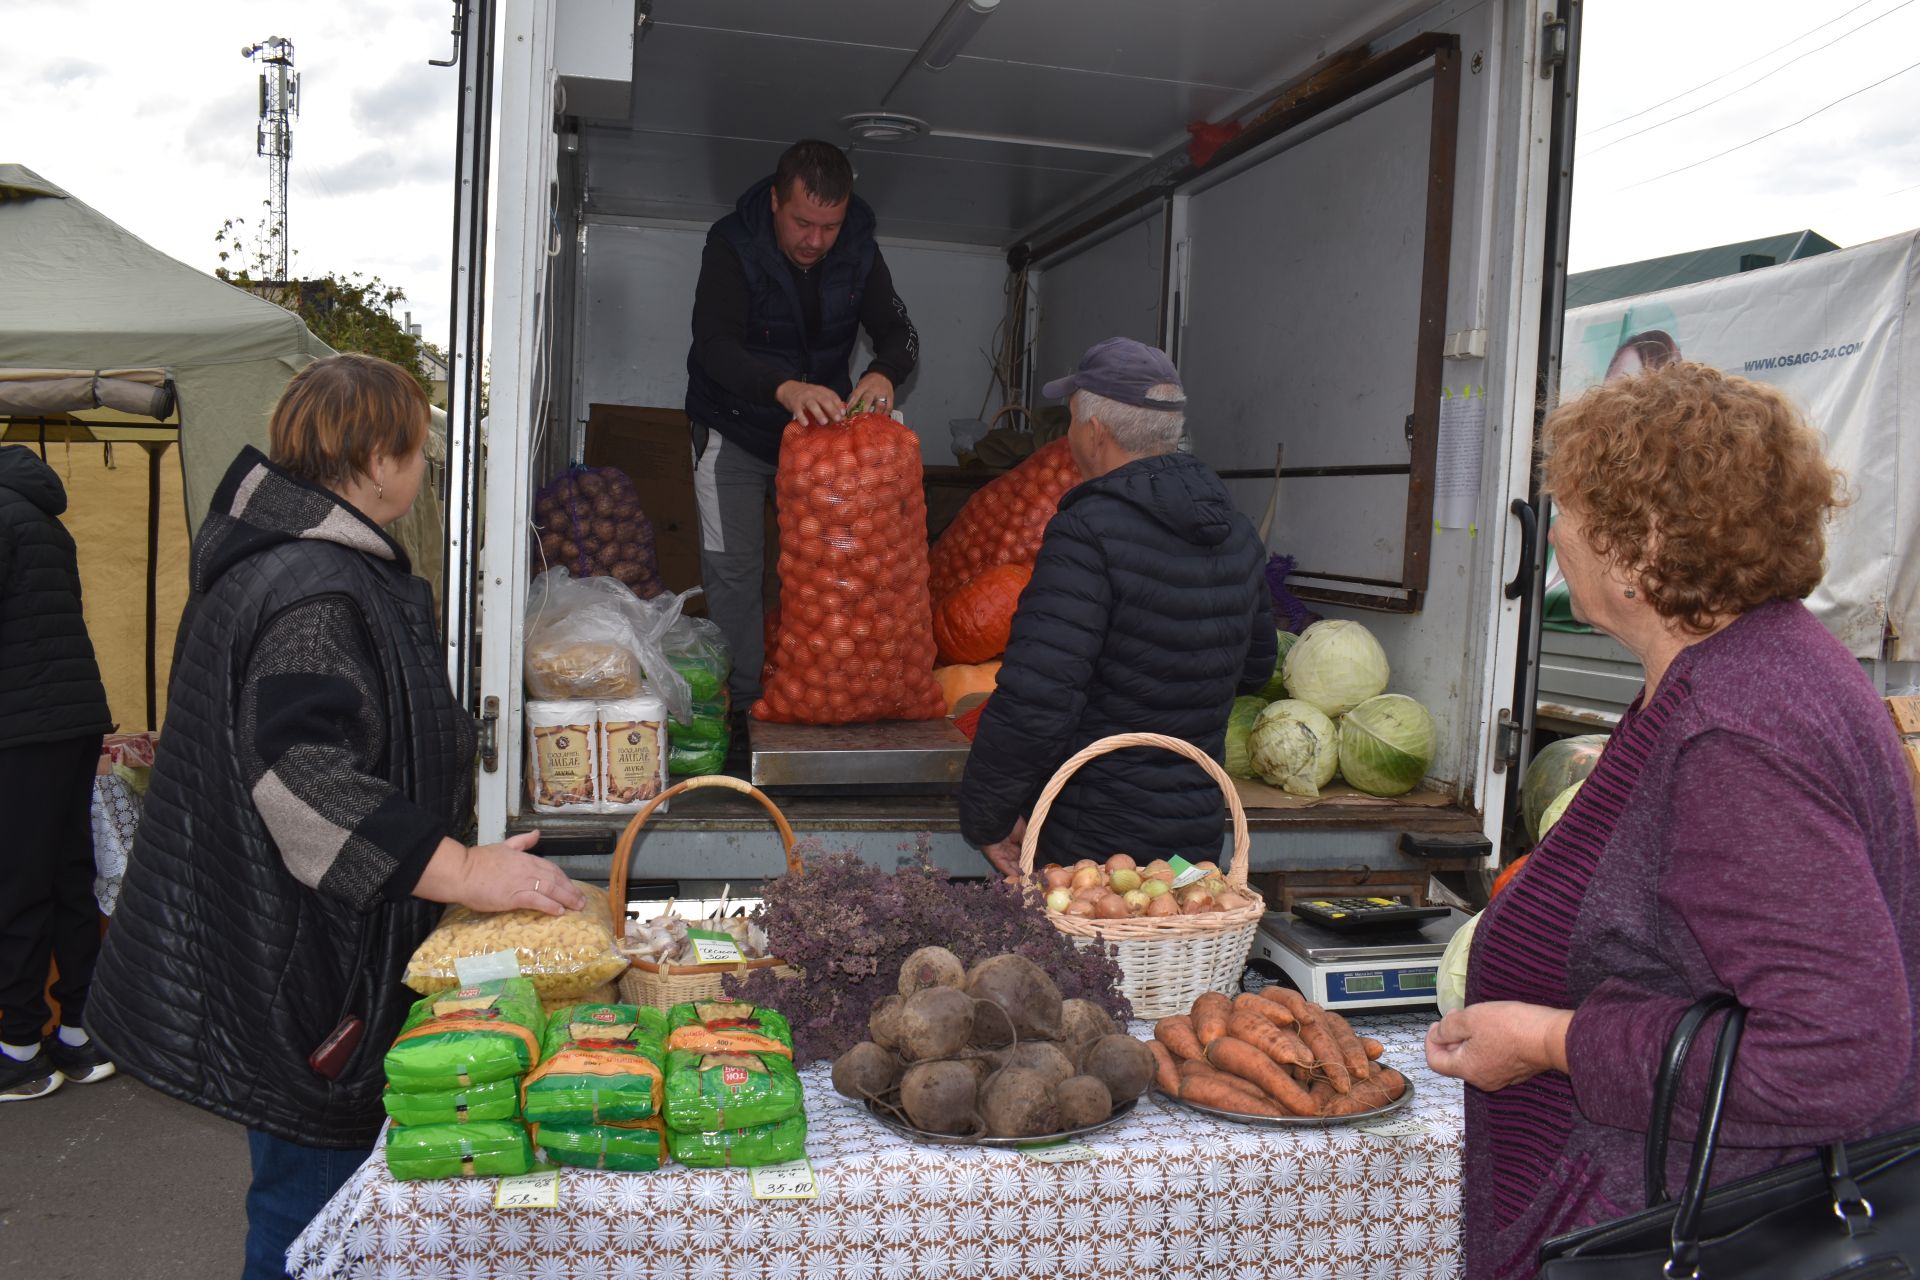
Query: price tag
[[1061, 1153], [1184, 872], [539, 1190], [472, 970], [713, 948], [793, 1180], [1396, 1128]]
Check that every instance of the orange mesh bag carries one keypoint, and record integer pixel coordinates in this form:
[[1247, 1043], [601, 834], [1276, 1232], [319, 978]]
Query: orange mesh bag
[[1004, 522], [856, 627]]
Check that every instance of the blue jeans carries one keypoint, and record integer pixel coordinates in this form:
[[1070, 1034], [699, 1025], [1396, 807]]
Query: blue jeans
[[291, 1184]]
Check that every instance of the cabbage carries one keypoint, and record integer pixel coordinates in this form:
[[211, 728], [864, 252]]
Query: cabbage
[[1553, 769], [1294, 747], [1335, 665], [1558, 808], [1451, 982], [1386, 744], [1239, 725], [1276, 687]]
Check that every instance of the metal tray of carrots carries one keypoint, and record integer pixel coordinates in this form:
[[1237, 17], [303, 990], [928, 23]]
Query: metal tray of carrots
[[1286, 1122]]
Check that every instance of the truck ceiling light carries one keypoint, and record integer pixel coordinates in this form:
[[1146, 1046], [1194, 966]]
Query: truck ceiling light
[[883, 126], [956, 27]]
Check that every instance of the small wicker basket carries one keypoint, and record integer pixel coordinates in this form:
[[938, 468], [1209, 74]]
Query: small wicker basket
[[665, 985], [1165, 961]]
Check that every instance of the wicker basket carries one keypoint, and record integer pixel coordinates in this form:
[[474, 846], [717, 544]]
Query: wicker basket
[[1165, 961], [665, 985]]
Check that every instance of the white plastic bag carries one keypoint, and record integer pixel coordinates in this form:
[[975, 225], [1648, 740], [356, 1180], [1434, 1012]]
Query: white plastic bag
[[582, 638]]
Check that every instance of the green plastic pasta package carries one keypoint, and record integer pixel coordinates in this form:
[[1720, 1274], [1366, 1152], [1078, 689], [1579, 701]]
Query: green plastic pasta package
[[600, 1063], [495, 1100], [697, 649], [702, 732], [709, 1091], [758, 1144], [636, 1147], [492, 1148], [728, 1026], [684, 761], [471, 1035]]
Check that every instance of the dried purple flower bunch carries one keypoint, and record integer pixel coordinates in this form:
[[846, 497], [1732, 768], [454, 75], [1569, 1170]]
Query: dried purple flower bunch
[[847, 926]]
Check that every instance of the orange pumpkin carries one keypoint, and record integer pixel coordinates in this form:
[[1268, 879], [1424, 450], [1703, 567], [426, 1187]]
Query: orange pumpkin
[[961, 679], [971, 622]]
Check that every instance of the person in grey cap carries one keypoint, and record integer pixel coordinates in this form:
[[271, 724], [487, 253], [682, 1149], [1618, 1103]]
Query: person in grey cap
[[1148, 611]]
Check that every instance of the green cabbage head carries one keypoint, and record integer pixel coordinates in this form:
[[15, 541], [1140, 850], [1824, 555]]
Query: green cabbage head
[[1276, 686], [1295, 747], [1558, 807], [1239, 726], [1335, 665], [1386, 745]]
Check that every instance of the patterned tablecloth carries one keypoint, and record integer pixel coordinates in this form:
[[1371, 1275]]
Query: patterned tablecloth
[[1171, 1193]]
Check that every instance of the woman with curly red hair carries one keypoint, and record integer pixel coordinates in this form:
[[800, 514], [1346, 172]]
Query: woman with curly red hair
[[1749, 830]]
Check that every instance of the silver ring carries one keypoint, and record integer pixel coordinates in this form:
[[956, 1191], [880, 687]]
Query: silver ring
[[536, 886], [883, 399]]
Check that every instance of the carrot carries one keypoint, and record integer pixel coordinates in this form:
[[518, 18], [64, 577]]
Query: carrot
[[1165, 1074], [1326, 1055], [1176, 1033], [1373, 1048], [1292, 1001], [1347, 1042], [1214, 1091], [1210, 1013], [1270, 1010], [1283, 1047], [1196, 1068], [1385, 1085], [1237, 1057], [1323, 1097]]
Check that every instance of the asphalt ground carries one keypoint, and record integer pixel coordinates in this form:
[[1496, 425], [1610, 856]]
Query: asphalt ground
[[116, 1180]]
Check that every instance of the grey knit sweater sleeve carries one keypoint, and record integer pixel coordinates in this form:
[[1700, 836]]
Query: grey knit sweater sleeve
[[313, 741]]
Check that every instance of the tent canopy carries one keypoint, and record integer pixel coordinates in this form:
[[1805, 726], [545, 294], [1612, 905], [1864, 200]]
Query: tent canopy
[[1604, 284], [85, 295]]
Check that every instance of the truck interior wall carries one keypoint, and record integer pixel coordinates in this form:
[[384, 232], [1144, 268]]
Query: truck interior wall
[[1110, 289], [636, 306]]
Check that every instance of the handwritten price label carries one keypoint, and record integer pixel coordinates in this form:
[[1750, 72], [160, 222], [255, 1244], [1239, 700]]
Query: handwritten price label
[[793, 1180], [713, 948], [529, 1191], [1061, 1153], [1407, 1128]]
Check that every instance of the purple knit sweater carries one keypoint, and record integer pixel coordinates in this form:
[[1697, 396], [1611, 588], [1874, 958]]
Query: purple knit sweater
[[1752, 831]]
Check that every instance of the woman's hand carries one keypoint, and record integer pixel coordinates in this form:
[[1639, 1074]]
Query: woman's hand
[[1499, 1043], [498, 877]]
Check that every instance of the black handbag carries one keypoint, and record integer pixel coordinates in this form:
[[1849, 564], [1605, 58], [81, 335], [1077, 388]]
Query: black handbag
[[1850, 1213]]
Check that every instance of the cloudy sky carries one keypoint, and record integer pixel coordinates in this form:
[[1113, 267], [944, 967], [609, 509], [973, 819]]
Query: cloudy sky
[[146, 111]]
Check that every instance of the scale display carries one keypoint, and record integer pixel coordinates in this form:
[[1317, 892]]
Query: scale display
[[1392, 968]]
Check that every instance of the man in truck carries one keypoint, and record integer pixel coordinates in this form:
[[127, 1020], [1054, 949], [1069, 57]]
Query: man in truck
[[1147, 612], [787, 281]]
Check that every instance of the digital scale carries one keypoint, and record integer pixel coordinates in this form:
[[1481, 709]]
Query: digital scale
[[1392, 967]]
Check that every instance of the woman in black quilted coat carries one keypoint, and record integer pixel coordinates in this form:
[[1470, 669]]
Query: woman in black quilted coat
[[312, 781], [1148, 611]]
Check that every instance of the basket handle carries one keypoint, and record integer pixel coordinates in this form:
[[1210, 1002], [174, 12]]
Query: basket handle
[[1236, 873], [623, 852]]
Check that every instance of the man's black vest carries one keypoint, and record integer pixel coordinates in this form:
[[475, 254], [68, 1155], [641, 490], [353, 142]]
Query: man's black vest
[[776, 333]]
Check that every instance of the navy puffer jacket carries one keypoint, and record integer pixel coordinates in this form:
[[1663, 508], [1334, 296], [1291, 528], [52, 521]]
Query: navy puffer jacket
[[49, 681], [1148, 611]]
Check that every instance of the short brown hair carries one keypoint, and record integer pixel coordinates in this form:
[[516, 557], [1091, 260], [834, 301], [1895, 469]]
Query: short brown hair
[[339, 413], [820, 168], [1709, 489]]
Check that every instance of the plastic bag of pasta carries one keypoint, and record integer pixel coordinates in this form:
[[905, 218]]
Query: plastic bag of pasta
[[708, 1091], [639, 1146], [495, 1100], [493, 1148], [728, 1026], [473, 1035], [599, 1063], [759, 1144], [565, 956]]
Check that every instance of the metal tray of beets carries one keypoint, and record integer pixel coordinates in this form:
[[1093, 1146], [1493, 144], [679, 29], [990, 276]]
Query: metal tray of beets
[[880, 1112], [1286, 1122]]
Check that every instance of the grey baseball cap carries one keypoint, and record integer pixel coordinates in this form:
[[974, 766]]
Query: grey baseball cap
[[1120, 369]]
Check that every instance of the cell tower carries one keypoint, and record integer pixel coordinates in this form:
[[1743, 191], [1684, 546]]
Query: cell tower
[[279, 104]]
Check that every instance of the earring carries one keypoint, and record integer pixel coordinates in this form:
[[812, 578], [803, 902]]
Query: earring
[[1629, 593], [380, 493]]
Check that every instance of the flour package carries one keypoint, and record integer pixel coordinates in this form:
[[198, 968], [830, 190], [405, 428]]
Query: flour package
[[631, 747], [563, 756]]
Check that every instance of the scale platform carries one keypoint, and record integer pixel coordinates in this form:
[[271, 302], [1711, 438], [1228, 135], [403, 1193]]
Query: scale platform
[[898, 757], [1376, 969]]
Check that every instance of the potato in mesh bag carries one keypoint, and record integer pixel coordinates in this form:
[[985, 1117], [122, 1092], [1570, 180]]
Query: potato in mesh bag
[[566, 956]]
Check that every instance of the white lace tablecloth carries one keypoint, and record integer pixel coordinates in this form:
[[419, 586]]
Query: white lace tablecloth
[[116, 815], [1172, 1194]]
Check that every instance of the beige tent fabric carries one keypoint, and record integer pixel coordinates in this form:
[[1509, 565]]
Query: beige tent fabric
[[34, 392]]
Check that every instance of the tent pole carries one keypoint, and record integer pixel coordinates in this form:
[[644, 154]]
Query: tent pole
[[153, 576]]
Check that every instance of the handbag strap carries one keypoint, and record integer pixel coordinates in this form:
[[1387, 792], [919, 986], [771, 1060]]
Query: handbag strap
[[1666, 1083], [1683, 1262]]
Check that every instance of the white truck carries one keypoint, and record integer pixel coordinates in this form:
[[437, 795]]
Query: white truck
[[1833, 332], [1367, 272]]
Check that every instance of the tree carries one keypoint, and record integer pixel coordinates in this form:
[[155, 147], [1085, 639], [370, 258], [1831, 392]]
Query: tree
[[349, 313]]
